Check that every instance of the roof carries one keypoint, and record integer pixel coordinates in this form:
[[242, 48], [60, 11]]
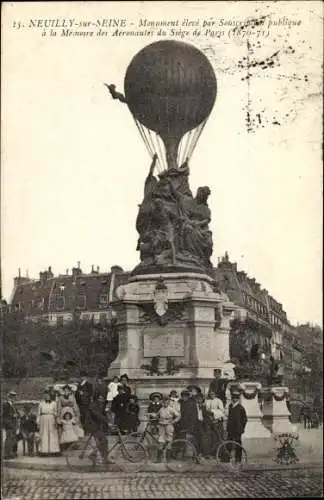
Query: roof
[[67, 292], [91, 292]]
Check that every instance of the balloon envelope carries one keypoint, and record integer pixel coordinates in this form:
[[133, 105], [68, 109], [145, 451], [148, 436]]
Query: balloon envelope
[[170, 87]]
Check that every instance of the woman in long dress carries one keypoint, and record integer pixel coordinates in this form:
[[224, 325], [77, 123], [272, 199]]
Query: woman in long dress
[[47, 422], [67, 401]]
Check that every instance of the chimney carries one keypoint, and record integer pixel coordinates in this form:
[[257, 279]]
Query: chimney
[[79, 264], [92, 269], [98, 269], [76, 271], [66, 272]]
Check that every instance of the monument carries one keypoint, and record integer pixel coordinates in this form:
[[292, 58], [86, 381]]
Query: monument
[[173, 322]]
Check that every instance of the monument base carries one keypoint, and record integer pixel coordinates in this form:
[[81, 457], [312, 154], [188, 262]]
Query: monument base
[[173, 331], [257, 439], [275, 411]]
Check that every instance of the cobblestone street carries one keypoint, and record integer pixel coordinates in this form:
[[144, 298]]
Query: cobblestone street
[[30, 485]]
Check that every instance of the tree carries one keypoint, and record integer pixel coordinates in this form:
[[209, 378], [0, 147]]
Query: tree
[[311, 374], [37, 349]]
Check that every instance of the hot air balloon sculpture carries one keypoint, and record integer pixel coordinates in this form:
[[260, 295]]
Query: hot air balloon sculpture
[[170, 90]]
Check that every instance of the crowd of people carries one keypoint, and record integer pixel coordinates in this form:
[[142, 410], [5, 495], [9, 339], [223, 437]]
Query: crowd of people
[[68, 413]]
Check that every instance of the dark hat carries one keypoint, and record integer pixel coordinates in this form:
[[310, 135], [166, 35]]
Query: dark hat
[[185, 393], [155, 395], [124, 375], [235, 393], [66, 386], [133, 396], [67, 413], [190, 387]]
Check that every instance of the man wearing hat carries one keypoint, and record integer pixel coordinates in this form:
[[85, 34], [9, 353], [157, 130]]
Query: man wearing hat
[[194, 390], [187, 424], [83, 397], [218, 386], [236, 422], [10, 424], [101, 387]]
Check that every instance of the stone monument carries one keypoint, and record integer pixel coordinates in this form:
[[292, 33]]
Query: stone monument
[[173, 323]]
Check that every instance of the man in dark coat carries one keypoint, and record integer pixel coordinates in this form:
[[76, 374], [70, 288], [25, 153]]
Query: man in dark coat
[[10, 424], [101, 387], [189, 416], [218, 386], [124, 380], [236, 422], [97, 424], [119, 407], [83, 396]]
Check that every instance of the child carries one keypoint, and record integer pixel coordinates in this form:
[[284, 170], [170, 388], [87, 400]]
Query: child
[[215, 406], [174, 400], [168, 416], [132, 414], [68, 434], [153, 410], [29, 429]]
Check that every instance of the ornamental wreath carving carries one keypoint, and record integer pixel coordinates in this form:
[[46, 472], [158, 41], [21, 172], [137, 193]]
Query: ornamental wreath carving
[[149, 315]]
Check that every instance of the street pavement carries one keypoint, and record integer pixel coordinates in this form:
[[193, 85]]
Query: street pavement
[[44, 485]]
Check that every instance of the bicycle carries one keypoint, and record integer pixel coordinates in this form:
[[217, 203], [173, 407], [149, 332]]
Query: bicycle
[[128, 455], [179, 455], [226, 450]]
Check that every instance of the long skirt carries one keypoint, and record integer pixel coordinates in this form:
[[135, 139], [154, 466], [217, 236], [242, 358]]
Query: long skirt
[[48, 435]]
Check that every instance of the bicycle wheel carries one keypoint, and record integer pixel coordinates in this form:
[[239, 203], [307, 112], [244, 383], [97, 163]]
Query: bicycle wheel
[[231, 452], [81, 456], [153, 449], [130, 456], [180, 455]]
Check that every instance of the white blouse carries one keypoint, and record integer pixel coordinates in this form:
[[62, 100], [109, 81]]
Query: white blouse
[[216, 407]]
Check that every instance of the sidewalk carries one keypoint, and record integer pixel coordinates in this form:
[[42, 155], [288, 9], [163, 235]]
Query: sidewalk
[[59, 464], [309, 450]]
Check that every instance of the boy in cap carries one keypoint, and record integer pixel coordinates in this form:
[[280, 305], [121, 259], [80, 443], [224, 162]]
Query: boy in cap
[[153, 409], [29, 430], [236, 422], [168, 416]]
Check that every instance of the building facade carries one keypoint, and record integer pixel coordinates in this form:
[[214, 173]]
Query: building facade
[[87, 296]]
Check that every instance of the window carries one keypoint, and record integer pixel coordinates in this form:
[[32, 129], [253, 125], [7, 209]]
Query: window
[[103, 317], [60, 303], [60, 320], [103, 299], [81, 301]]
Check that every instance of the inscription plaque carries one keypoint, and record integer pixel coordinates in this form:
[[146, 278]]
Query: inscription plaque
[[166, 343]]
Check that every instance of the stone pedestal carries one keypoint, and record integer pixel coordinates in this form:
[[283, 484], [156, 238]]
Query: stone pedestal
[[257, 439], [275, 411], [193, 332]]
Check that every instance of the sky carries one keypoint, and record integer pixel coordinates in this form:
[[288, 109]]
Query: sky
[[74, 164]]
